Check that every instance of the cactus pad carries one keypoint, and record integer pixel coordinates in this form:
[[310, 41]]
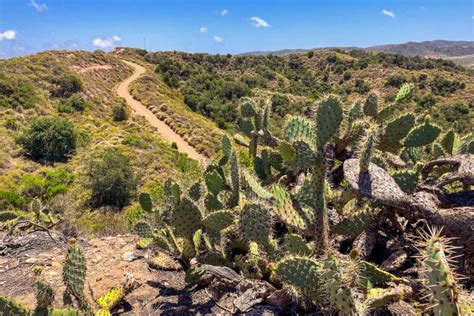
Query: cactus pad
[[405, 92], [256, 224], [145, 202], [328, 120], [186, 218], [422, 135], [299, 271], [298, 128], [74, 271], [219, 220]]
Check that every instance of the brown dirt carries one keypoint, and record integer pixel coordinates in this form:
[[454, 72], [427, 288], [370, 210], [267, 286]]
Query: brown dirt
[[164, 130], [157, 291], [91, 68]]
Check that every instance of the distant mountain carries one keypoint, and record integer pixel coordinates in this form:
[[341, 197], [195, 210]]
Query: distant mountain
[[437, 48]]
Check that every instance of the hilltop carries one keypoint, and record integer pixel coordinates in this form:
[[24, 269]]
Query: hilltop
[[458, 51]]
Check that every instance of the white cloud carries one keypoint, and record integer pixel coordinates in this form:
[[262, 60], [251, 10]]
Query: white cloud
[[203, 29], [389, 13], [40, 7], [259, 22], [8, 35], [218, 39], [106, 42], [224, 12]]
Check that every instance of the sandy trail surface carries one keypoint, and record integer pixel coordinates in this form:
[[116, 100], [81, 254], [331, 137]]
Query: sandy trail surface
[[138, 108]]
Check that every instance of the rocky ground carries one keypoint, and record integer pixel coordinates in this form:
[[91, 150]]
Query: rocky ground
[[109, 260]]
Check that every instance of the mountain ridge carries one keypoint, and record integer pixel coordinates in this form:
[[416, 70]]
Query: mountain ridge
[[434, 48]]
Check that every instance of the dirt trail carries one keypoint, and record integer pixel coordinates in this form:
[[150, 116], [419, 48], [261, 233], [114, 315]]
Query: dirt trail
[[138, 108]]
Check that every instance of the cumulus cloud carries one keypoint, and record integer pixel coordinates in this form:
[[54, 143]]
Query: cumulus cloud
[[106, 42], [40, 7], [389, 13], [224, 12], [203, 29], [218, 39], [8, 35], [259, 22]]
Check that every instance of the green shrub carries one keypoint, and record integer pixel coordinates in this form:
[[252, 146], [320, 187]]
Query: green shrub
[[15, 93], [11, 199], [48, 138], [66, 85], [119, 112], [361, 86], [395, 81], [47, 185], [75, 103], [111, 179], [444, 87], [136, 141]]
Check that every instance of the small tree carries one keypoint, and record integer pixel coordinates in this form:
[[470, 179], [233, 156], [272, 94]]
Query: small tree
[[48, 138], [119, 112], [75, 103], [111, 179]]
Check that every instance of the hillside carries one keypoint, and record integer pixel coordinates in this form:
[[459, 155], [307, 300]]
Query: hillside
[[22, 178], [457, 51], [437, 48], [327, 181]]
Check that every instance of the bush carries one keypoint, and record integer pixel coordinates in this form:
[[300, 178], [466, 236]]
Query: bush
[[119, 113], [75, 103], [395, 81], [111, 180], [48, 138], [444, 87], [15, 93], [66, 86], [361, 86]]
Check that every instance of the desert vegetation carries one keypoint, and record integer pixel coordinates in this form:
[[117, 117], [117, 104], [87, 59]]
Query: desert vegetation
[[337, 181]]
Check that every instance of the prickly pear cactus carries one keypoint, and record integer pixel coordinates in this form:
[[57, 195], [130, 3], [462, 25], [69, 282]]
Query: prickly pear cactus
[[74, 273], [422, 135], [256, 224], [439, 278], [328, 121], [355, 224], [235, 181], [405, 92], [394, 132], [367, 148], [44, 292], [145, 202], [10, 307], [296, 245], [298, 128], [371, 106], [286, 212], [339, 292], [298, 271], [186, 218], [219, 220]]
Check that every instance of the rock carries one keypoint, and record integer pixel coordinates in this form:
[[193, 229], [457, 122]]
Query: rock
[[280, 298], [130, 256], [31, 260], [395, 261]]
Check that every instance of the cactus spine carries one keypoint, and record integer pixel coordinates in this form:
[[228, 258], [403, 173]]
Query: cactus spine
[[440, 280]]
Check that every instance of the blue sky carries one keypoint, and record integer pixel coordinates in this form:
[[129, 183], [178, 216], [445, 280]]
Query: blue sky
[[231, 26]]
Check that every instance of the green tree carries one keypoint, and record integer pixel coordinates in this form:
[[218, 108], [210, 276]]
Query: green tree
[[111, 179], [119, 112], [48, 138]]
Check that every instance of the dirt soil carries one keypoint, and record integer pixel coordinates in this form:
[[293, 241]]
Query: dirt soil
[[138, 108], [108, 260]]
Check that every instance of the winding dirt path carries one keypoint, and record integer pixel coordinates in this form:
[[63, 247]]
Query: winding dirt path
[[138, 108]]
